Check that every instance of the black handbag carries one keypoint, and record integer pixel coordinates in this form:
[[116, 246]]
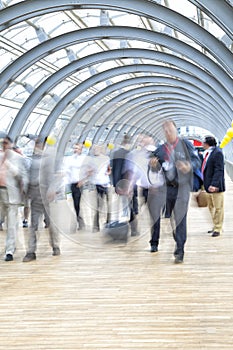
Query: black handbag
[[117, 230]]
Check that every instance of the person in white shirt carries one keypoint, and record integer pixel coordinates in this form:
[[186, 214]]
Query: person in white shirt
[[13, 184], [101, 180], [77, 172]]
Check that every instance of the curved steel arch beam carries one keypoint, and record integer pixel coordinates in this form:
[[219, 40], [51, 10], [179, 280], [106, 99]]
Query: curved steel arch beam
[[135, 113], [28, 9], [73, 67], [177, 116], [196, 121], [136, 103], [68, 131], [147, 123], [105, 109], [121, 110], [60, 42], [215, 125], [145, 109], [156, 130], [166, 101], [219, 11], [72, 94]]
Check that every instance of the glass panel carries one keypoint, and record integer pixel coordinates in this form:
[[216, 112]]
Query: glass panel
[[20, 38]]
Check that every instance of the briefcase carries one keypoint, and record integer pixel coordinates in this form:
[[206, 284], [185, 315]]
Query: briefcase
[[202, 199], [117, 230]]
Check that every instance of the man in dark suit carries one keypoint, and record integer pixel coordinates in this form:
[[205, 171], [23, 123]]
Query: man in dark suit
[[214, 182], [178, 159], [122, 172]]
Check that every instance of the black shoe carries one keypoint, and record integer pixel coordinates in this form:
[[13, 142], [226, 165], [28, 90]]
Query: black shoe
[[25, 223], [178, 259], [210, 231], [9, 257], [215, 234], [56, 251], [153, 249], [29, 257]]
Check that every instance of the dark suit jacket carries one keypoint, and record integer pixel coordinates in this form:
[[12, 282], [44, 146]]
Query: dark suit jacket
[[118, 165], [184, 150], [214, 170]]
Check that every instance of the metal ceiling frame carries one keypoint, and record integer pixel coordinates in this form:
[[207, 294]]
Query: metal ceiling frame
[[214, 77], [70, 127], [31, 8], [65, 40], [122, 112]]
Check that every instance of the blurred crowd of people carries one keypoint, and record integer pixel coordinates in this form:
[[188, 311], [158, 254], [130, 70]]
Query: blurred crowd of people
[[163, 172]]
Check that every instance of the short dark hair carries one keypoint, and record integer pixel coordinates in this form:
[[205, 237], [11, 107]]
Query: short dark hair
[[169, 121], [126, 139], [8, 138], [210, 140]]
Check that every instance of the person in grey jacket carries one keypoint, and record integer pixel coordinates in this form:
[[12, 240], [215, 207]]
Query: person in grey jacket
[[177, 159], [41, 176]]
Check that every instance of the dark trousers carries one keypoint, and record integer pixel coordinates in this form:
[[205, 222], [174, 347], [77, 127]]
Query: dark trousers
[[134, 204], [177, 204], [76, 195], [156, 201], [145, 194], [102, 192]]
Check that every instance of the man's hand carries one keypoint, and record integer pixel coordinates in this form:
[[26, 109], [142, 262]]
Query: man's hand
[[184, 166], [213, 189]]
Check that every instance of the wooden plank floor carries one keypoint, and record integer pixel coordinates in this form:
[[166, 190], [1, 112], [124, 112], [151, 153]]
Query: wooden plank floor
[[98, 295]]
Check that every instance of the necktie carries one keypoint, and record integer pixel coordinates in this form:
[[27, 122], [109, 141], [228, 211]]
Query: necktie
[[204, 162]]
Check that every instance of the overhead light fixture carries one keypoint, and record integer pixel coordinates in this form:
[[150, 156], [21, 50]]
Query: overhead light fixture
[[29, 88], [104, 18], [71, 55], [92, 70], [41, 35], [55, 97]]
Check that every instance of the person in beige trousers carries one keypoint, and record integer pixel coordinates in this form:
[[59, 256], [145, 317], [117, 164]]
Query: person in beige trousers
[[13, 184]]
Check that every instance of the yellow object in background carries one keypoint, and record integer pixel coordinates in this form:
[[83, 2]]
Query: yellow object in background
[[230, 132], [110, 145], [87, 143], [227, 138], [51, 140]]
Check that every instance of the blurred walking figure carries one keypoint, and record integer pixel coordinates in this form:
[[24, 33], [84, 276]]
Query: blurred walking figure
[[140, 158], [178, 159], [78, 171], [122, 173], [101, 179], [214, 182], [41, 175], [26, 205], [13, 184]]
